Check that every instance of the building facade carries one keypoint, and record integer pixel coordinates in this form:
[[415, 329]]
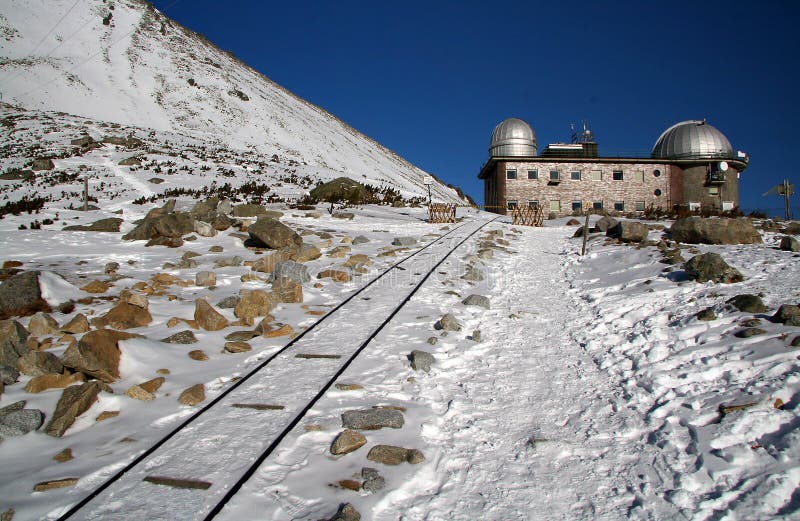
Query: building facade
[[692, 165]]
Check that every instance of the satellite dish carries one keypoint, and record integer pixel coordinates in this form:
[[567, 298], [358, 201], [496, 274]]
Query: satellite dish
[[723, 166]]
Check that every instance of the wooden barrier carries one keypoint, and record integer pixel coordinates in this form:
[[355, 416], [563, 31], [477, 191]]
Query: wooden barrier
[[441, 213], [527, 216]]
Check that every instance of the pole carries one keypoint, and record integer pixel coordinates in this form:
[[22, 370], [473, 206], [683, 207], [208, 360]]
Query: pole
[[429, 195], [585, 233], [86, 194], [786, 198]]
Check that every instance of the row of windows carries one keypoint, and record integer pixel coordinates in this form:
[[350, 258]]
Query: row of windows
[[596, 175], [555, 205]]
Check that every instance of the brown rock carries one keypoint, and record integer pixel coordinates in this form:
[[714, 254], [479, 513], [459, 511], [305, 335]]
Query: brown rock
[[237, 346], [207, 317], [350, 484], [287, 290], [13, 342], [271, 233], [346, 512], [96, 286], [358, 259], [56, 483], [206, 278], [339, 252], [74, 401], [133, 298], [44, 382], [198, 354], [338, 276], [137, 393], [347, 441], [97, 354], [255, 303], [78, 324], [42, 324], [193, 395], [163, 371], [64, 455], [124, 316], [37, 363], [106, 415], [391, 455], [275, 330], [349, 387]]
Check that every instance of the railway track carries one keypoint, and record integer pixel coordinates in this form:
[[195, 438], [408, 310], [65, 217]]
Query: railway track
[[206, 459]]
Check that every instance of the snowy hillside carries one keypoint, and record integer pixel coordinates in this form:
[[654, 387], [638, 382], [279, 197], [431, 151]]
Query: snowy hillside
[[122, 61]]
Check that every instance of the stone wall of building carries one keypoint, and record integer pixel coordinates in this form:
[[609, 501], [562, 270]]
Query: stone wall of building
[[697, 190], [641, 186]]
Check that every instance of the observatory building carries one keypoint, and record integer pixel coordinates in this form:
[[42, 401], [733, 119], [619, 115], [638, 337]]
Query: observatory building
[[692, 166]]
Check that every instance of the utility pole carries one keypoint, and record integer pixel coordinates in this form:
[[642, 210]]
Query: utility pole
[[86, 193], [786, 193]]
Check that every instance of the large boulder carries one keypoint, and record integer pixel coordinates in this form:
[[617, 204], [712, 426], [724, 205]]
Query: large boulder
[[789, 243], [124, 316], [207, 317], [628, 231], [699, 230], [372, 419], [15, 420], [37, 363], [74, 401], [605, 223], [171, 225], [271, 233], [13, 337], [255, 303], [97, 354], [21, 295], [112, 224], [711, 267], [341, 189], [291, 270]]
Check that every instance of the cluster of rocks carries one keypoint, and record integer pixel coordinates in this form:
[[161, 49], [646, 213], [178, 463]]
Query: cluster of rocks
[[622, 231], [786, 314]]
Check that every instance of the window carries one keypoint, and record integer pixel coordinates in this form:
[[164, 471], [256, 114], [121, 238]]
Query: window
[[619, 206], [511, 174], [575, 176], [533, 174], [555, 206], [577, 206], [533, 204], [713, 190], [638, 176], [657, 192], [554, 175], [656, 173], [639, 206], [597, 205], [511, 204], [597, 175], [617, 175]]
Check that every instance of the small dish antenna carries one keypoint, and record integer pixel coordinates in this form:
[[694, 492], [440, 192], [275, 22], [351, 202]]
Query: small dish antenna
[[723, 166]]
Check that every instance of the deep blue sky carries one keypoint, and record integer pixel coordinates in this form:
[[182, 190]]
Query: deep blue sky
[[430, 80]]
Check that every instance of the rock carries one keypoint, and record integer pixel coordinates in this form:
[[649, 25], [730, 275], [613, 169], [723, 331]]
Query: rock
[[308, 252], [64, 456], [251, 210], [605, 223], [255, 303], [391, 455], [350, 484], [360, 239], [274, 330], [573, 222], [699, 230], [287, 290], [16, 406], [292, 270], [673, 256], [130, 161], [337, 275], [748, 332], [237, 346], [790, 244], [344, 215], [346, 512], [97, 354], [229, 262], [204, 229], [106, 415], [628, 231], [169, 242], [433, 340], [477, 300], [111, 225], [134, 299], [795, 341], [82, 141], [193, 395], [339, 252], [372, 419], [96, 286], [124, 316], [8, 375], [373, 481], [207, 317], [421, 360], [42, 164], [171, 225], [349, 387], [347, 441], [110, 268], [706, 315], [23, 421], [229, 302], [40, 383], [198, 354], [270, 233], [181, 337], [447, 323], [41, 324], [37, 363], [476, 335], [711, 267], [137, 393], [748, 303], [404, 241], [20, 295], [74, 401], [241, 336], [13, 342], [787, 314], [357, 260], [206, 278], [473, 274]]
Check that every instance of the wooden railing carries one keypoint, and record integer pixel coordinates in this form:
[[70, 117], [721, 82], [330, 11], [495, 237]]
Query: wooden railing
[[441, 213], [527, 216]]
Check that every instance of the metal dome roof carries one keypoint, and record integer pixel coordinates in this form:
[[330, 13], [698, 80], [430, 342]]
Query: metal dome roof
[[693, 139], [513, 137]]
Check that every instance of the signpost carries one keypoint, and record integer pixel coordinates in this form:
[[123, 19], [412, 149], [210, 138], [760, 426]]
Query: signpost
[[785, 189], [428, 181]]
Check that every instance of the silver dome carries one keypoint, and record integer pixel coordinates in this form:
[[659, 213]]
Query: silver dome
[[513, 138], [692, 139]]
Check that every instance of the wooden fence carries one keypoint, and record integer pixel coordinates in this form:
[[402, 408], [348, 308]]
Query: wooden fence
[[527, 216], [441, 213]]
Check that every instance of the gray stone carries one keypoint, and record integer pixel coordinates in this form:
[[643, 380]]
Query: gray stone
[[447, 323], [372, 419], [421, 360], [473, 274], [13, 337], [373, 481], [205, 278], [748, 303], [291, 270], [187, 264], [706, 315], [171, 225], [111, 224], [790, 244], [36, 363], [271, 233], [16, 406], [308, 252], [110, 268], [204, 229], [347, 441], [346, 512], [699, 230], [391, 455], [344, 215], [605, 223], [748, 332], [181, 337], [404, 241], [229, 262], [8, 375], [433, 340], [485, 254], [787, 314], [20, 295], [477, 300], [711, 267], [43, 164], [476, 336], [17, 423], [74, 401], [229, 302], [628, 231], [360, 239]]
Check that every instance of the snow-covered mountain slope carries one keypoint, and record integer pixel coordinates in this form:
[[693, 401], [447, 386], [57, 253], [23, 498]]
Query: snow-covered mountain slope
[[122, 61]]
